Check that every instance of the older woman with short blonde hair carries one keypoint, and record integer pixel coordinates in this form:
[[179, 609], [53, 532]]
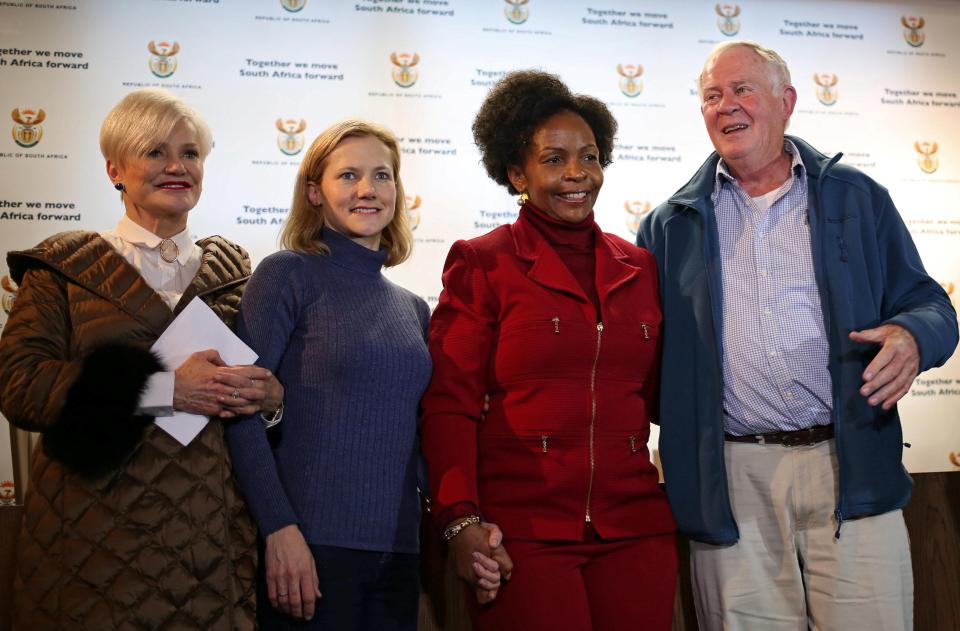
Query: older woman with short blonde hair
[[125, 526]]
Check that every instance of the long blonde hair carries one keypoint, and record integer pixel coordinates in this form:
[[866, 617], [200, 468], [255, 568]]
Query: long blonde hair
[[302, 230]]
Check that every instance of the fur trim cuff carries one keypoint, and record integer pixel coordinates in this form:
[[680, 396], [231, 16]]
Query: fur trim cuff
[[98, 428]]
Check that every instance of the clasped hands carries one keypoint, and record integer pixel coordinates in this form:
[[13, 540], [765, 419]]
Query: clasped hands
[[481, 560], [204, 384]]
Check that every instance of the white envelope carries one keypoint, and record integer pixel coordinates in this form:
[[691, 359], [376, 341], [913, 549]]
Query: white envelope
[[197, 328]]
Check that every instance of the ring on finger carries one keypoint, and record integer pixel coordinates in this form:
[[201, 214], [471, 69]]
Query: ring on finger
[[236, 393]]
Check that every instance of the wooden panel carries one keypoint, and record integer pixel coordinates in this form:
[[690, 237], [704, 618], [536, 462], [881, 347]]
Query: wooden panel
[[10, 517], [933, 520]]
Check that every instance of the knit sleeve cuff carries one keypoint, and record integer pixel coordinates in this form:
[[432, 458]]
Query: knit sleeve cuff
[[271, 509]]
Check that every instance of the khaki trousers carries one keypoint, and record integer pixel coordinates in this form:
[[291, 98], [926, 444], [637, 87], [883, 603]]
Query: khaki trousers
[[788, 572]]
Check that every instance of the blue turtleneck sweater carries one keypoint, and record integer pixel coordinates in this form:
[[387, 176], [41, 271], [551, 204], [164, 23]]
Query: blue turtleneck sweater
[[348, 346]]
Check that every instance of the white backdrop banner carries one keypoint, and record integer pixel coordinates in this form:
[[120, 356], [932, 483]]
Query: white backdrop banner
[[877, 81]]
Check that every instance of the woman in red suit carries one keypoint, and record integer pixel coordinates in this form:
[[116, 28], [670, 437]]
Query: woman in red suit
[[556, 325]]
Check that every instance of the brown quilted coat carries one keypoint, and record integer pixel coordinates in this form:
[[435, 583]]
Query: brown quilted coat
[[164, 541]]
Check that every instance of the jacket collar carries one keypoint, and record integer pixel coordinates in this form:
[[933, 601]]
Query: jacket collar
[[816, 163], [696, 192], [223, 264], [613, 267], [89, 261]]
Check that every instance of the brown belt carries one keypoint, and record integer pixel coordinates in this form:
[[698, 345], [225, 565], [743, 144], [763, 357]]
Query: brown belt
[[808, 436]]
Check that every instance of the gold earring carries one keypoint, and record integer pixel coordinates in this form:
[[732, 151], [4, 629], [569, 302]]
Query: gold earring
[[523, 199]]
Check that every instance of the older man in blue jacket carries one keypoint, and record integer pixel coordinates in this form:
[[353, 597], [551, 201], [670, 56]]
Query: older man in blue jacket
[[797, 313]]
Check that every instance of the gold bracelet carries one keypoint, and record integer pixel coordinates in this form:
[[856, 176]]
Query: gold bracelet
[[457, 527]]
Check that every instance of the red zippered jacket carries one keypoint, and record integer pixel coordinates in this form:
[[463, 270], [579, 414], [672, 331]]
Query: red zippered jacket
[[564, 440]]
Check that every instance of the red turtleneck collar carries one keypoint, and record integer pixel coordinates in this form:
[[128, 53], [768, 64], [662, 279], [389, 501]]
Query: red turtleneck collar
[[576, 236]]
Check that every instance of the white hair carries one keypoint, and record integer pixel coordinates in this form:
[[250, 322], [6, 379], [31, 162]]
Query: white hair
[[779, 73]]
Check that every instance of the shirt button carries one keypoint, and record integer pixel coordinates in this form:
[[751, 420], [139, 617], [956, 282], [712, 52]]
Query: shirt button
[[788, 394], [763, 273], [772, 353], [766, 312]]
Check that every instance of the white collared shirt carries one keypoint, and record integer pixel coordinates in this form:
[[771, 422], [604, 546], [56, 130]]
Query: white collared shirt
[[141, 248], [775, 349]]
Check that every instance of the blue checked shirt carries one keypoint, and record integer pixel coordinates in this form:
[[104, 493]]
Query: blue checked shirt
[[774, 345]]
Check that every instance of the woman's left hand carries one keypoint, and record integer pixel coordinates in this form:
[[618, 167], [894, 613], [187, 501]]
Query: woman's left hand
[[247, 390], [494, 570]]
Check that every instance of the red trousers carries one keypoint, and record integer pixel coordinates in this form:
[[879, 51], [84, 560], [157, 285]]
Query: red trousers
[[590, 585]]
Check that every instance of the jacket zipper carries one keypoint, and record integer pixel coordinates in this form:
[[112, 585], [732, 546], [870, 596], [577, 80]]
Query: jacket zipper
[[593, 415], [718, 355], [838, 446], [646, 330]]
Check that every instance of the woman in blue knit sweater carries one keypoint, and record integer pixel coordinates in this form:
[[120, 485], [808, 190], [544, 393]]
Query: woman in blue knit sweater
[[335, 497]]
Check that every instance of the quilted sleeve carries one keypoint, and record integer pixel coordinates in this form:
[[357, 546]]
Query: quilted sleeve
[[85, 407], [36, 372]]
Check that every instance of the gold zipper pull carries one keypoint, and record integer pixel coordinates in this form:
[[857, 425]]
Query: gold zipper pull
[[646, 330], [633, 443], [543, 441], [556, 325]]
